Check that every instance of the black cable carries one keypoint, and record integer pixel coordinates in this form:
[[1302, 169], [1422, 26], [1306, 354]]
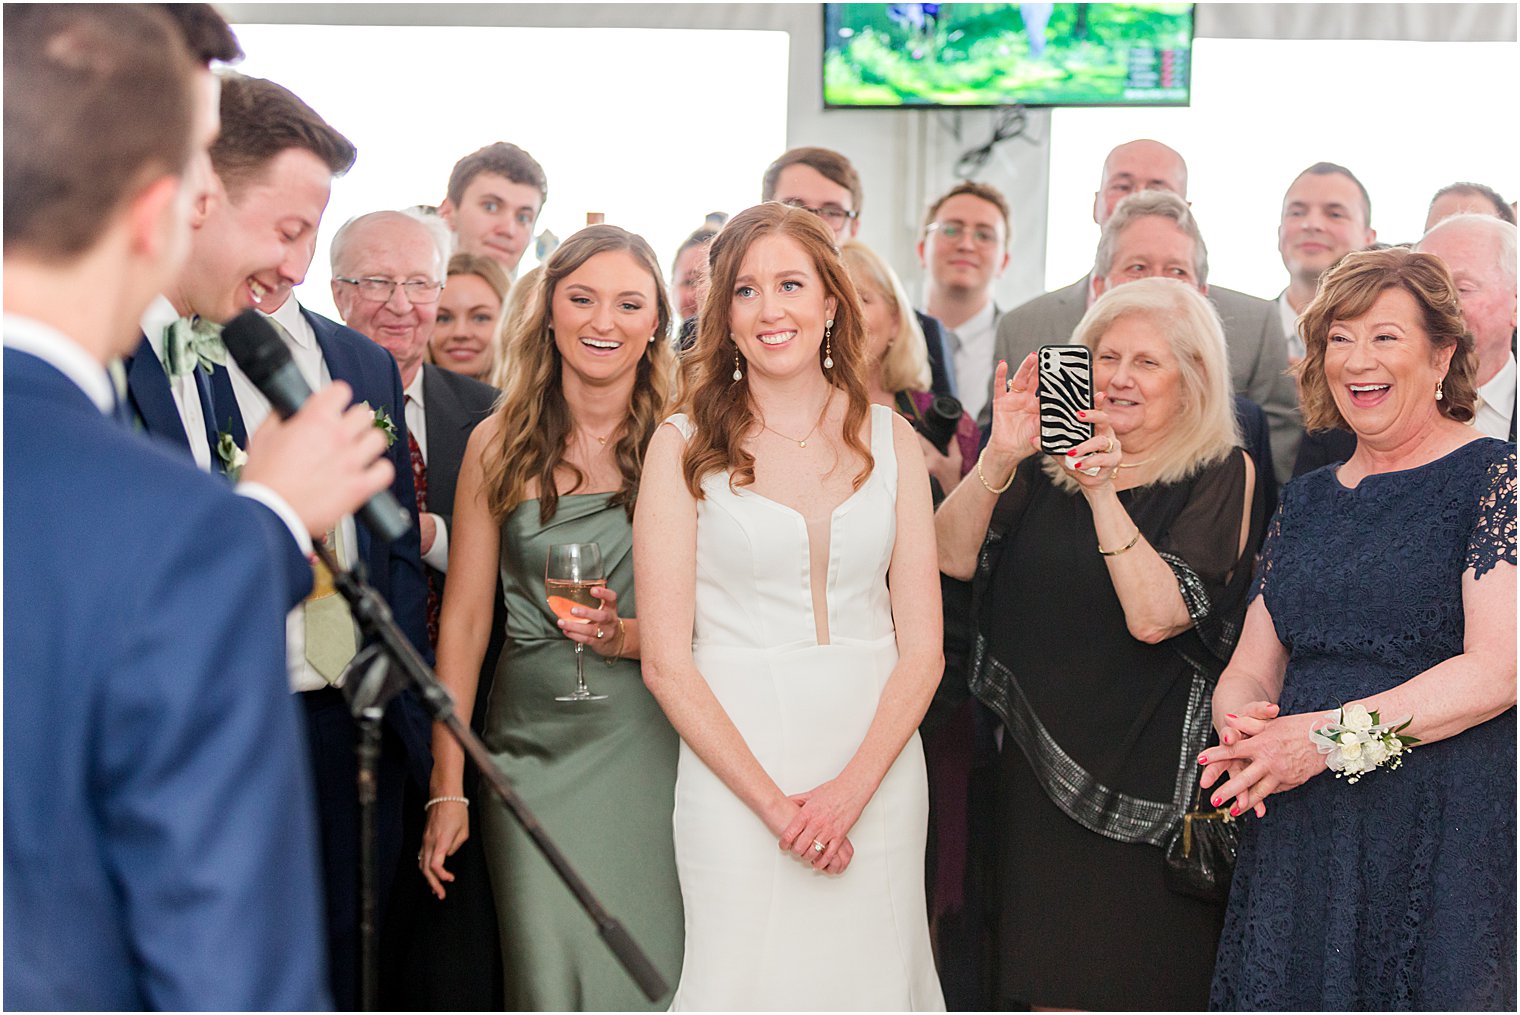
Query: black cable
[[1011, 122]]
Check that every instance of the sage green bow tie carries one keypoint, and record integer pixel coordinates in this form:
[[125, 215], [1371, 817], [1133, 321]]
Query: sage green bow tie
[[191, 341]]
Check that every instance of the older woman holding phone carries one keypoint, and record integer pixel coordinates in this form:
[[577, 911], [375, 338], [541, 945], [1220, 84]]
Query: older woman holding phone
[[1109, 584], [1386, 585]]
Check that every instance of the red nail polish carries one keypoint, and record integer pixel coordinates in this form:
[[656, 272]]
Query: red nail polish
[[1081, 414], [1203, 759], [1231, 715], [1070, 453], [1217, 801], [1235, 810]]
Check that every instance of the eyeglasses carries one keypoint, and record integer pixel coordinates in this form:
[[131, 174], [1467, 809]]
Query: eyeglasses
[[952, 231], [379, 290], [830, 213]]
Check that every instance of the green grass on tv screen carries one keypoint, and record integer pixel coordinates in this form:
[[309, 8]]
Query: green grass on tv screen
[[1000, 54]]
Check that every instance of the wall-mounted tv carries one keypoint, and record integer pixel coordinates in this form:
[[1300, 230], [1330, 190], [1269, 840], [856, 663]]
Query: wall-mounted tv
[[1097, 54]]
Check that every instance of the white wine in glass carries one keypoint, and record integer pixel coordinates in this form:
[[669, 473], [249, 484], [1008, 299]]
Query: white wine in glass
[[572, 571]]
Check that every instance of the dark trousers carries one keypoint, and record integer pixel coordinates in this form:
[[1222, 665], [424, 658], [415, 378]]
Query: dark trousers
[[333, 740]]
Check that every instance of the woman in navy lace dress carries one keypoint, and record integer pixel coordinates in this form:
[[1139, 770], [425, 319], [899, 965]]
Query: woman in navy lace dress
[[1388, 581]]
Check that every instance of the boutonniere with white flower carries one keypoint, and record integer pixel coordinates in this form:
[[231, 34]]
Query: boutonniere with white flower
[[1355, 741], [232, 457], [384, 423]]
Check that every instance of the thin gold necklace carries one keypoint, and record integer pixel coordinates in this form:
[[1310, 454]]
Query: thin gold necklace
[[1134, 465], [802, 443]]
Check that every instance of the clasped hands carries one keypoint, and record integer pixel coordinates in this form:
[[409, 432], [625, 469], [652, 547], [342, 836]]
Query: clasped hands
[[1260, 753], [823, 815]]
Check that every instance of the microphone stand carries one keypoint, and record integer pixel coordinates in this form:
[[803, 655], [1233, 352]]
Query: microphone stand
[[383, 670]]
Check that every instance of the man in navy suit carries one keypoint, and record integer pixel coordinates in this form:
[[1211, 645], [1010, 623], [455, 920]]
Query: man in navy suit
[[826, 183], [159, 842], [275, 159]]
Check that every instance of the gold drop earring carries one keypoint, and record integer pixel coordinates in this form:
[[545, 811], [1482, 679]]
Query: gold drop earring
[[738, 374], [828, 358]]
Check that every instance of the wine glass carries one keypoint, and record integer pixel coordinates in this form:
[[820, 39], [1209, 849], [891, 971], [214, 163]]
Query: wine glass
[[572, 571]]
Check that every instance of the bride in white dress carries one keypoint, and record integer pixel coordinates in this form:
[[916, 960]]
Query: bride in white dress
[[784, 548]]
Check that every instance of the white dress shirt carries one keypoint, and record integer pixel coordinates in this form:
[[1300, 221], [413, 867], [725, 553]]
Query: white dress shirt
[[971, 346], [1289, 316], [1498, 402], [437, 556], [307, 354], [187, 395]]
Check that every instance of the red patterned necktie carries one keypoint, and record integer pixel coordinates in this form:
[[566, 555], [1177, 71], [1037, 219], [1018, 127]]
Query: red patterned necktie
[[419, 480]]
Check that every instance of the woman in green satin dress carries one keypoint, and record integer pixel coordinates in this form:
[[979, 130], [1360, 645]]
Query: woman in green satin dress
[[558, 462]]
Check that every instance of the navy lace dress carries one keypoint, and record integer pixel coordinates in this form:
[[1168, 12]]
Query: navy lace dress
[[1398, 892]]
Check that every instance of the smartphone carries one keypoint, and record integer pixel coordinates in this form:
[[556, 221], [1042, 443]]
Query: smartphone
[[1065, 384]]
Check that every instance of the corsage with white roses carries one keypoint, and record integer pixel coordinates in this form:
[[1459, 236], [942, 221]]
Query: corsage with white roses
[[1355, 741], [232, 457]]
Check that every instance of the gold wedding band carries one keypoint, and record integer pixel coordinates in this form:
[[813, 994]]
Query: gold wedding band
[[818, 847], [1111, 445]]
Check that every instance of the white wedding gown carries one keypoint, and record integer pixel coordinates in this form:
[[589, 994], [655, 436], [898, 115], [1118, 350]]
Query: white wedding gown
[[763, 930]]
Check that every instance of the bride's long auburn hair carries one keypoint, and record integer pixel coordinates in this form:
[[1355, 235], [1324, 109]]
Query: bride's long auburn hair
[[718, 406], [533, 420]]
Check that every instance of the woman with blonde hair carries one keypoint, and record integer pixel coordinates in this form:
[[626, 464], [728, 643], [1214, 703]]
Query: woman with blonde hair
[[897, 361], [785, 532], [469, 317], [560, 462], [519, 308], [1110, 582]]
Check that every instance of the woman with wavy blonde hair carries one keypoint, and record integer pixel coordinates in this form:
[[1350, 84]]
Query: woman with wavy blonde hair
[[785, 531], [559, 462], [897, 361]]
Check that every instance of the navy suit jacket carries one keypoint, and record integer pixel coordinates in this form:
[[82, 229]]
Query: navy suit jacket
[[160, 848], [151, 400], [941, 367], [394, 569]]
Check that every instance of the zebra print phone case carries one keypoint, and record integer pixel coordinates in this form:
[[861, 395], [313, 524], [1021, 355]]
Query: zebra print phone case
[[1065, 373]]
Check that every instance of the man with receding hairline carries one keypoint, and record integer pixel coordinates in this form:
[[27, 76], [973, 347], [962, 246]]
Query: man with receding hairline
[[1326, 214], [1253, 332]]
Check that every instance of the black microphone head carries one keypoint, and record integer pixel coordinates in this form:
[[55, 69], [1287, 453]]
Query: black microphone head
[[256, 347]]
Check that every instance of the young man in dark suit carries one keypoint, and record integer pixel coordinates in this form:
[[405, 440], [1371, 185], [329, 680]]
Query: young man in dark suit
[[158, 827]]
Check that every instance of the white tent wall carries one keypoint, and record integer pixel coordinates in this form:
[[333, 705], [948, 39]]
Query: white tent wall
[[907, 157]]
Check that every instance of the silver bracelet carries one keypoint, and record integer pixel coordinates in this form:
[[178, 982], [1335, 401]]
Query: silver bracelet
[[447, 800]]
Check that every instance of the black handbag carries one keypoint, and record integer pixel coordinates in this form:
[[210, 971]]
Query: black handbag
[[1200, 858]]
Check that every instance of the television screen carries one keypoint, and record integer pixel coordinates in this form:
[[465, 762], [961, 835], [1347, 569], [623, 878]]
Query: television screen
[[893, 55]]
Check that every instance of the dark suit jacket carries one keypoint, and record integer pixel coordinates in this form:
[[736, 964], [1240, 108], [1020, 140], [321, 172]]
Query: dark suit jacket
[[160, 851], [394, 569], [152, 402], [455, 404], [941, 366]]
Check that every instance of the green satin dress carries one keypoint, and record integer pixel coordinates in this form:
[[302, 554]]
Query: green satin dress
[[599, 775]]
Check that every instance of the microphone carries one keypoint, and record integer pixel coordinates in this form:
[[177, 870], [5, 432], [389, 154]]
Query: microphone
[[261, 354]]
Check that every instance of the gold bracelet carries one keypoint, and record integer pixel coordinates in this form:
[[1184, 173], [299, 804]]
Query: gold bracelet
[[990, 489], [621, 644], [1114, 553]]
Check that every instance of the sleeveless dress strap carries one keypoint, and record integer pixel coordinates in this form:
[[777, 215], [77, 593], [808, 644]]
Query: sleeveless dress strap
[[682, 423], [883, 448]]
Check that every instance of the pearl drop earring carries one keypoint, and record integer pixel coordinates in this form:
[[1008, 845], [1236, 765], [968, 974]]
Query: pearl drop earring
[[828, 357]]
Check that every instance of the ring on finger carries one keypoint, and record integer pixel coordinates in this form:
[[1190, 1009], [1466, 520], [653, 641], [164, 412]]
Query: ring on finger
[[1111, 445], [599, 632], [818, 847]]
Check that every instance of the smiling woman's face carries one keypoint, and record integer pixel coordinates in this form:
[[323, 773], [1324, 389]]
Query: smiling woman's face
[[778, 307], [1134, 366]]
